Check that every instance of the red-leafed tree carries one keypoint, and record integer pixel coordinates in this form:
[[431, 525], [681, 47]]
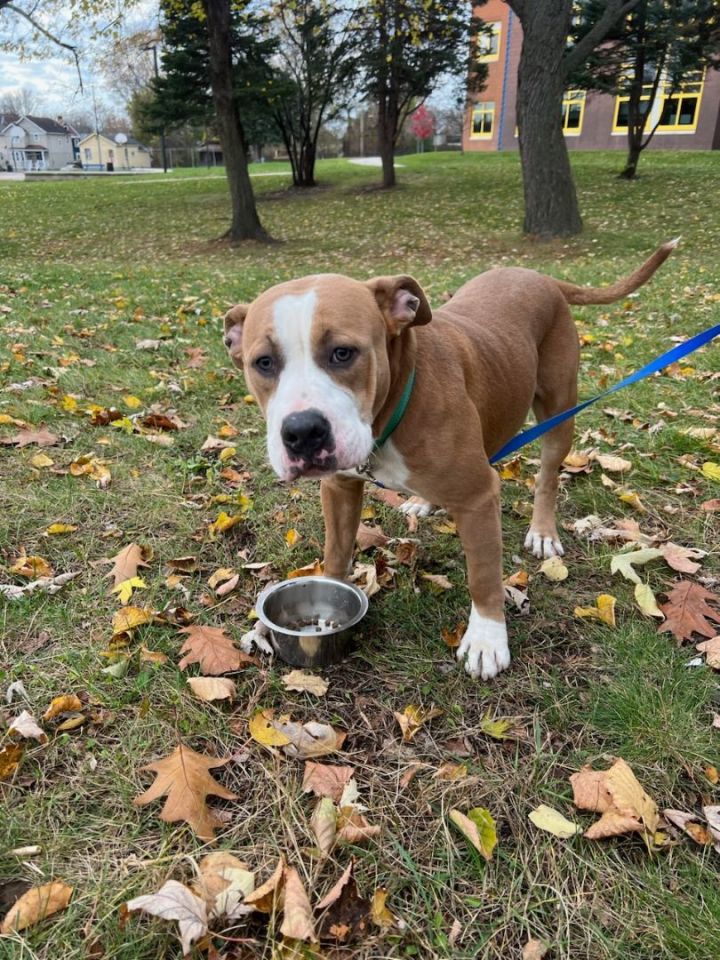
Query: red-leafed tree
[[422, 123]]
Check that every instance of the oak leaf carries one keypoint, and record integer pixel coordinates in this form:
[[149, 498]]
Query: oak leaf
[[40, 437], [687, 611], [213, 649], [36, 904], [126, 562], [618, 796], [324, 780], [174, 901], [681, 558], [183, 776]]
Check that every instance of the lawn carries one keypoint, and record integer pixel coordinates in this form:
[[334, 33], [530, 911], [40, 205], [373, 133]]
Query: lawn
[[91, 268]]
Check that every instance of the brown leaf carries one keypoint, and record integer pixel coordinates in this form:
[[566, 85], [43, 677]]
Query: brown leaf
[[353, 827], [298, 923], [346, 913], [406, 552], [681, 558], [212, 688], [687, 611], [368, 537], [65, 703], [314, 569], [10, 757], [534, 950], [453, 637], [711, 649], [126, 562], [223, 883], [183, 776], [268, 896], [324, 825], [311, 739], [40, 437], [437, 580], [687, 823], [36, 904], [615, 793], [324, 780], [388, 497], [305, 683], [213, 649]]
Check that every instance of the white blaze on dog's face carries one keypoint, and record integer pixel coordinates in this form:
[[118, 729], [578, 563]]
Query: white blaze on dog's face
[[315, 356]]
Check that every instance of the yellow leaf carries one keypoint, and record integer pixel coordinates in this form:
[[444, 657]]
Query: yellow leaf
[[32, 567], [496, 728], [131, 617], [227, 454], [554, 569], [412, 718], [263, 731], [36, 904], [291, 538], [305, 682], [478, 827], [41, 461], [124, 590], [133, 402], [57, 528], [631, 498], [65, 703], [711, 471], [223, 523], [227, 430], [645, 599], [379, 913], [69, 403], [603, 610], [552, 821]]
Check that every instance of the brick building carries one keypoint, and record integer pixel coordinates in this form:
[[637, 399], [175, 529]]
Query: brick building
[[689, 118]]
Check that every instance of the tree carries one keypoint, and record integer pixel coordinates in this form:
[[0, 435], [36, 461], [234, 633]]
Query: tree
[[21, 100], [422, 123], [649, 54], [317, 57], [406, 47], [546, 63]]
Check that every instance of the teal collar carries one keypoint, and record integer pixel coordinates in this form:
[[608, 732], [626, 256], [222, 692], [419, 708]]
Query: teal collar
[[397, 414]]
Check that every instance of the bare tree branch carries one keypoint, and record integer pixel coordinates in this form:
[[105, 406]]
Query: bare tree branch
[[614, 11], [46, 33]]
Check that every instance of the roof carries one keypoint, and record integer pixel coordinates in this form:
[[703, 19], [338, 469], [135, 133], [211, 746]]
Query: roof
[[47, 124], [7, 118], [130, 142]]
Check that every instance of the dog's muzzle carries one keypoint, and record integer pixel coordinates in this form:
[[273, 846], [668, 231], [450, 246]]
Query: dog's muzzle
[[308, 440]]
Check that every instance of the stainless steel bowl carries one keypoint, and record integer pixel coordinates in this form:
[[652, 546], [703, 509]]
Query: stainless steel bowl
[[311, 619]]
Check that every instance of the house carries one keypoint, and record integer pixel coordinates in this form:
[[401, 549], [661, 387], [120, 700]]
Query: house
[[36, 143], [209, 153], [689, 119], [102, 151]]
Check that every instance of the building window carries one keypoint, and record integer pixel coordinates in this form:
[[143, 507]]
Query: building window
[[483, 117], [680, 110], [488, 44], [622, 109], [88, 154], [573, 111]]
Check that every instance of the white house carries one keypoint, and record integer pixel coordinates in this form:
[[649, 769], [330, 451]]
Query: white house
[[36, 143]]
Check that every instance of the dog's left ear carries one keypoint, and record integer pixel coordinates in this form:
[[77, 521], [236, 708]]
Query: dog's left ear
[[233, 323], [402, 302]]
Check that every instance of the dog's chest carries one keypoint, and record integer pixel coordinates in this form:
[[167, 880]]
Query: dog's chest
[[386, 467]]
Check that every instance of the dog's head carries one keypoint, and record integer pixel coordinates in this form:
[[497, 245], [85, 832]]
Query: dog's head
[[315, 355]]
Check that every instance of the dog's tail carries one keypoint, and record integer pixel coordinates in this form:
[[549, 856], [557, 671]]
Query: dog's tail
[[580, 296]]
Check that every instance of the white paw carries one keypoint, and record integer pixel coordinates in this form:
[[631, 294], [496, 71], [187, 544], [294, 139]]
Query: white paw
[[484, 647], [256, 638], [541, 546], [416, 506]]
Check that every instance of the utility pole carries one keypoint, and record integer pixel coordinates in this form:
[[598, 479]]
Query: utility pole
[[163, 147]]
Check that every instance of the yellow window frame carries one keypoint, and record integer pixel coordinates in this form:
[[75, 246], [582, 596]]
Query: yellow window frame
[[688, 89], [494, 39], [620, 100], [570, 98], [487, 109]]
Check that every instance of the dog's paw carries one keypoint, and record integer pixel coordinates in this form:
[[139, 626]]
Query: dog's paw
[[543, 545], [484, 647], [416, 506], [257, 637]]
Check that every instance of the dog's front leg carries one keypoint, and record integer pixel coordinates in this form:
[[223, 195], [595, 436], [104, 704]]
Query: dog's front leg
[[484, 646], [342, 499]]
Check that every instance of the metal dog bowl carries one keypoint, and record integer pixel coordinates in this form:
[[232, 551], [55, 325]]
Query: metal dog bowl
[[311, 619]]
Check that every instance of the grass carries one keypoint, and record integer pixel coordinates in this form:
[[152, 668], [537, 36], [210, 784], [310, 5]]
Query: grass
[[89, 268]]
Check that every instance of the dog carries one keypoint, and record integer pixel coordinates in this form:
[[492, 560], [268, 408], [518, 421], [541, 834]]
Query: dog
[[356, 383]]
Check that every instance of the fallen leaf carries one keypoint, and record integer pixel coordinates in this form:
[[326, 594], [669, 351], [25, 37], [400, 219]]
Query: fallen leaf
[[268, 895], [682, 558], [174, 901], [344, 913], [263, 730], [56, 529], [645, 599], [65, 703], [324, 780], [711, 506], [406, 552], [554, 569], [40, 437], [534, 950], [413, 717], [297, 923], [292, 537], [353, 827], [305, 682], [687, 611], [32, 567], [314, 569], [36, 904], [603, 610], [324, 825], [49, 585], [625, 563], [24, 725], [711, 649], [451, 771], [368, 537], [687, 822], [223, 883], [223, 523], [711, 471], [41, 461], [130, 618], [452, 638], [152, 656], [437, 580], [311, 739], [611, 463], [478, 827], [126, 562], [212, 688], [10, 757], [213, 649], [365, 575], [499, 728], [183, 776], [125, 589], [552, 821], [617, 795], [379, 912]]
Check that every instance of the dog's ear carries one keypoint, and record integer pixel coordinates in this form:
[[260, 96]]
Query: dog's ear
[[233, 324], [402, 302]]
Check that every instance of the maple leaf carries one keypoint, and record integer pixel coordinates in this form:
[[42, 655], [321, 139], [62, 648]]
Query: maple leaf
[[183, 776], [126, 562], [36, 904], [174, 901], [213, 649], [687, 611]]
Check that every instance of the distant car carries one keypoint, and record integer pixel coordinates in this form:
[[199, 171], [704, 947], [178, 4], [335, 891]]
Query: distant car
[[75, 165]]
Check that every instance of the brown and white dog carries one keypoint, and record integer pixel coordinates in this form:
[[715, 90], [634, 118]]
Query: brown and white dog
[[328, 359]]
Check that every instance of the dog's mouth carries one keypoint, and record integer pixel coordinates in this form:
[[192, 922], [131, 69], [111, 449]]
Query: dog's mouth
[[315, 467]]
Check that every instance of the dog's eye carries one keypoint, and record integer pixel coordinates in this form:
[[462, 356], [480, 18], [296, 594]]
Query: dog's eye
[[342, 355], [265, 365]]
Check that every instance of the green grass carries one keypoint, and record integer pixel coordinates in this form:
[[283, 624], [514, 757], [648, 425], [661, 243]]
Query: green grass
[[91, 267]]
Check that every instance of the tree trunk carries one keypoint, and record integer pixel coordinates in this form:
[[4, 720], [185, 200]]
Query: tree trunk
[[245, 220], [386, 141], [306, 176], [551, 206]]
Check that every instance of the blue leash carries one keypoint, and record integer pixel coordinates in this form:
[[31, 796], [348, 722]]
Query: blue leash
[[681, 350]]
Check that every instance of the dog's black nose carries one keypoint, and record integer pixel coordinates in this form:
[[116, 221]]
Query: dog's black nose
[[306, 433]]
